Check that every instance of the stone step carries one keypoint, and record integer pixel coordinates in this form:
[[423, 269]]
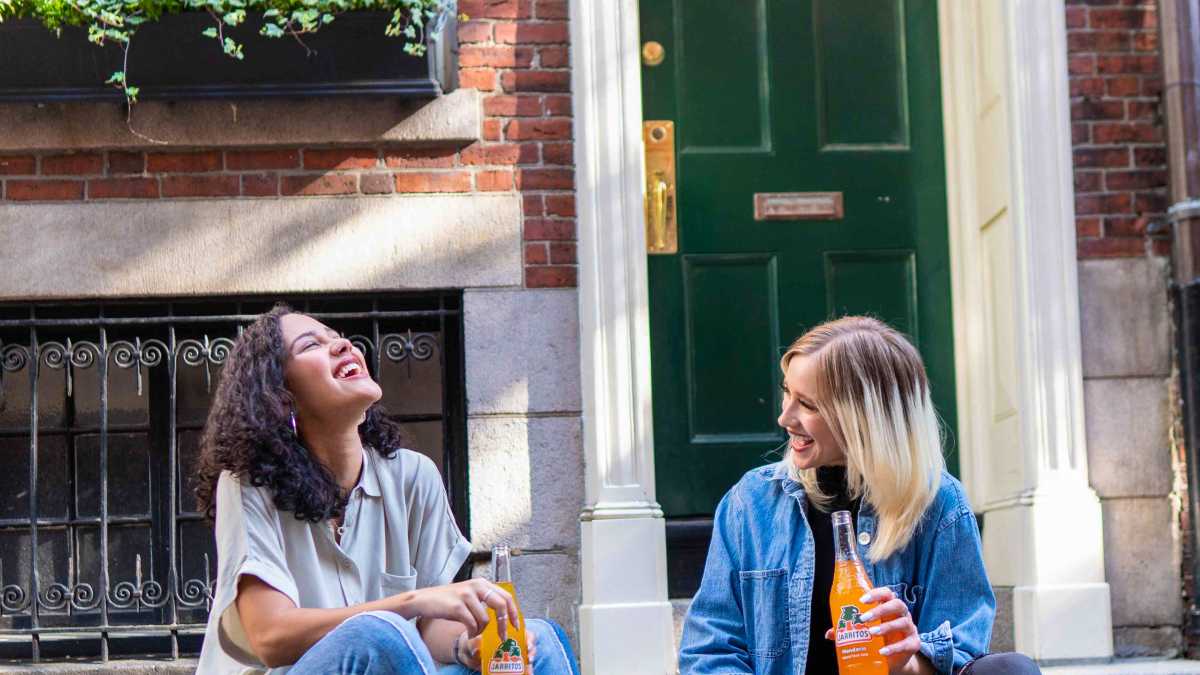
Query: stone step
[[186, 666], [1130, 667]]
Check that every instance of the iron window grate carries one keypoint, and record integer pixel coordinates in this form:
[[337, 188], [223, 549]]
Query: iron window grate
[[102, 549]]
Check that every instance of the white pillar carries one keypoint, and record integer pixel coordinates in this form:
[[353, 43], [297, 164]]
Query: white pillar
[[625, 618], [1020, 390]]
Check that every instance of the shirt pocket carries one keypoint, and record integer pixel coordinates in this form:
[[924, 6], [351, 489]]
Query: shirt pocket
[[391, 584], [764, 596], [909, 593]]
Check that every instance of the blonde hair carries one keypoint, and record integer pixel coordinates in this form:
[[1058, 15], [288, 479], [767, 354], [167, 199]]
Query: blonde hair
[[873, 393]]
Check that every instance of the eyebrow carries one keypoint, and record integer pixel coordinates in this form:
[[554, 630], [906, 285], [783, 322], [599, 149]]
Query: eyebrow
[[312, 334]]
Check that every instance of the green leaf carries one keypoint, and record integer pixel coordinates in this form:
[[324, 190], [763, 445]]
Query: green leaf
[[116, 78], [271, 30], [235, 17], [271, 13], [210, 32], [131, 94]]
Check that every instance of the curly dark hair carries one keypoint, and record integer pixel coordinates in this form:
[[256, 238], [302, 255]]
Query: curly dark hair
[[249, 433]]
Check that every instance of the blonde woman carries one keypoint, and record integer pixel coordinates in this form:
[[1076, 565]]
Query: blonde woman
[[863, 436]]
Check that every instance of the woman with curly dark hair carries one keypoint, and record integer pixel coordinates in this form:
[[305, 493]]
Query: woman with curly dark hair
[[336, 547]]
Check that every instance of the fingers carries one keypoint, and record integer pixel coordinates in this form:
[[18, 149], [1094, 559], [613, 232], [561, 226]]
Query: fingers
[[531, 637], [904, 626], [909, 645], [881, 594], [889, 610], [478, 613], [829, 634], [502, 602]]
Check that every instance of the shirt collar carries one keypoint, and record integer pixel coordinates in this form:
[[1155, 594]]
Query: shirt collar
[[781, 473], [369, 480]]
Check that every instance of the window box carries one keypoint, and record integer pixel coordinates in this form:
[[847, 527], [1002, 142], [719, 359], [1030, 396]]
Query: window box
[[171, 59]]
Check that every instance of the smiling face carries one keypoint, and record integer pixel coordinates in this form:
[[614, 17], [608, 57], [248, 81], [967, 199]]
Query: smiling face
[[326, 375], [810, 440]]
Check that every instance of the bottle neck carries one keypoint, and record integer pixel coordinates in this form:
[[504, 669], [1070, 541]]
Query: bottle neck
[[501, 564], [843, 538]]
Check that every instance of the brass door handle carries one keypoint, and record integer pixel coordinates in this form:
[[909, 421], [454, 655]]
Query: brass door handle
[[662, 232]]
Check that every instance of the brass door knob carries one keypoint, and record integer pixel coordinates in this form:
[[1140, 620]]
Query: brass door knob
[[653, 53]]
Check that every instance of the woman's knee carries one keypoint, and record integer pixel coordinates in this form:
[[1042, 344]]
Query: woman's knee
[[1009, 663], [379, 641]]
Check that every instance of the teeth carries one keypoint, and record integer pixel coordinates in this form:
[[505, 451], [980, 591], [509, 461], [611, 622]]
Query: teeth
[[347, 370]]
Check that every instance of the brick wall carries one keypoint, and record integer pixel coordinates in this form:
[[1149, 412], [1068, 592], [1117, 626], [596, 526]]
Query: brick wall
[[513, 50], [1117, 127]]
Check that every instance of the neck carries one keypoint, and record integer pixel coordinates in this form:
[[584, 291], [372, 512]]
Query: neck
[[338, 449]]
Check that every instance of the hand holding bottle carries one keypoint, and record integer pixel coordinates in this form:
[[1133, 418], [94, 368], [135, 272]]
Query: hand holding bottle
[[897, 629]]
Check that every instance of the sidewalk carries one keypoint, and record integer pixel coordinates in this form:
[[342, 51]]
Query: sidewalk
[[1131, 667]]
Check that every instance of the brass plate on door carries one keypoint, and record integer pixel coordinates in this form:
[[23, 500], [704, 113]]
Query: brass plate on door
[[798, 206], [662, 232]]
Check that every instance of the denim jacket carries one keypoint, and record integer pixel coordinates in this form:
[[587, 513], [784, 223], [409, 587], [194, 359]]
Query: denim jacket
[[751, 614]]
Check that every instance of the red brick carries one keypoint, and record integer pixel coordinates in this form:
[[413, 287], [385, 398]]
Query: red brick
[[1087, 227], [1151, 86], [1127, 19], [491, 130], [554, 57], [122, 188], [551, 277], [535, 80], [550, 9], [545, 179], [125, 163], [483, 79], [474, 31], [183, 162], [319, 184], [1098, 41], [340, 159], [531, 205], [446, 181], [1111, 133], [1135, 180], [16, 165], [558, 154], [44, 190], [73, 165], [1086, 86], [549, 32], [260, 184], [376, 183], [1150, 202], [560, 205], [504, 153], [419, 158], [1145, 42], [1087, 109], [1127, 63], [558, 106], [495, 57], [1081, 133], [1150, 156], [1089, 181], [1119, 247], [1125, 85], [1126, 226], [512, 106], [1142, 110], [1081, 64], [537, 130], [536, 254], [1101, 157], [1103, 204], [496, 9], [200, 186], [255, 160], [540, 229], [562, 253], [1076, 17], [494, 181]]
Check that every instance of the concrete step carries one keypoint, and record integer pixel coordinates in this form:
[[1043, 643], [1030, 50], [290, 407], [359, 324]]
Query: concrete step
[[185, 666], [1130, 667]]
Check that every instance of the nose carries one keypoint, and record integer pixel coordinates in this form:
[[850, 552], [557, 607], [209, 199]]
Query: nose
[[340, 346]]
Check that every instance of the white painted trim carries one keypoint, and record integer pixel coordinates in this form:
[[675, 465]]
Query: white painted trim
[[625, 618]]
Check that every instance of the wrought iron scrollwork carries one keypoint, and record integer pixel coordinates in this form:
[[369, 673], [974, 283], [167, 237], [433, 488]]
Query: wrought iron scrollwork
[[408, 347], [205, 351], [13, 598], [12, 359], [137, 355], [198, 592], [59, 356]]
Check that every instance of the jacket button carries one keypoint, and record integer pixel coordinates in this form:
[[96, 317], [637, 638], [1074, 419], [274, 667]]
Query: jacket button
[[864, 538]]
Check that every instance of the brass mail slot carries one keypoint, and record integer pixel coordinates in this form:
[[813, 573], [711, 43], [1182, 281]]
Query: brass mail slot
[[797, 206]]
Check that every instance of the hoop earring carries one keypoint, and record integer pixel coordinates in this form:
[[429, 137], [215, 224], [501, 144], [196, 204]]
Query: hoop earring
[[292, 419]]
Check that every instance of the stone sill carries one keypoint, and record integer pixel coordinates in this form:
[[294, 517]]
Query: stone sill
[[453, 119], [185, 666]]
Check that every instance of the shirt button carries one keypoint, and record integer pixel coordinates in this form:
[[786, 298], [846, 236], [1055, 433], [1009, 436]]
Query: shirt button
[[864, 538]]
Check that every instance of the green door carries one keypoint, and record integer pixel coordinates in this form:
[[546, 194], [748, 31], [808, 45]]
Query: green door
[[787, 96]]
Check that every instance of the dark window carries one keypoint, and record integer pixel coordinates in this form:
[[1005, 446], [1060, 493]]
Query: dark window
[[100, 417]]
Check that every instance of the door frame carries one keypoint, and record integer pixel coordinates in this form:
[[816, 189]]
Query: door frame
[[623, 550]]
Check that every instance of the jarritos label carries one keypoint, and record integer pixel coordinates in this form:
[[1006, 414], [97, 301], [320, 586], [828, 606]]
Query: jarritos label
[[507, 658], [850, 627]]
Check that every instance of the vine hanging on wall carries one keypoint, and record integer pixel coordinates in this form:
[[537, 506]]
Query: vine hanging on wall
[[117, 21]]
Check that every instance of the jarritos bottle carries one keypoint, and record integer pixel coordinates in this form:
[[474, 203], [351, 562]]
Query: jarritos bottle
[[510, 655], [857, 650]]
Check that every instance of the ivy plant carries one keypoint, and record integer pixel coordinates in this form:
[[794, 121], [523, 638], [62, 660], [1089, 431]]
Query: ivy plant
[[117, 21]]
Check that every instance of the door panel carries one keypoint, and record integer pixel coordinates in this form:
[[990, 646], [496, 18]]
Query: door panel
[[787, 96]]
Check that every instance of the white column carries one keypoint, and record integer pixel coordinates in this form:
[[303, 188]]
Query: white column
[[625, 619], [1009, 172]]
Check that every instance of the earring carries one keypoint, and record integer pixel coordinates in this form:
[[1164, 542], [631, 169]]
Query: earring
[[292, 419]]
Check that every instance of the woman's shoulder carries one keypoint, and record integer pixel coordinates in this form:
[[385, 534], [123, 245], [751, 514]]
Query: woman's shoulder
[[407, 468], [949, 504], [758, 483]]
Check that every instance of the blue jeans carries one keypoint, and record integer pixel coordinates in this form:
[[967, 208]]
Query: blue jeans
[[370, 645]]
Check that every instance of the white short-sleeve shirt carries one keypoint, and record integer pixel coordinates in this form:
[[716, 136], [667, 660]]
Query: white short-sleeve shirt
[[399, 535]]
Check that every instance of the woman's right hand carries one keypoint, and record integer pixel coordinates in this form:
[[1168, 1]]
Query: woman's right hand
[[465, 602]]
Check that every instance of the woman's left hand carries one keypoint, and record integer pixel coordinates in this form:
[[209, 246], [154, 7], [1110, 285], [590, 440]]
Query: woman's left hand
[[472, 659], [898, 631], [531, 637]]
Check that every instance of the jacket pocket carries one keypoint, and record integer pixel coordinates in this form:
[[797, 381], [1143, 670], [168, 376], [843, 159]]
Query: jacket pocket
[[391, 584], [909, 595], [764, 596]]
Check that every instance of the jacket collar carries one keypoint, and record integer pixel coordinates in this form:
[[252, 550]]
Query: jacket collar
[[369, 480]]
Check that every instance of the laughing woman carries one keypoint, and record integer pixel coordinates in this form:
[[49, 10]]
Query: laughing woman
[[863, 437], [336, 547]]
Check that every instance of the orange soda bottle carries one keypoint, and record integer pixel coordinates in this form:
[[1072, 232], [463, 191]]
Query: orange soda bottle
[[509, 656], [857, 650]]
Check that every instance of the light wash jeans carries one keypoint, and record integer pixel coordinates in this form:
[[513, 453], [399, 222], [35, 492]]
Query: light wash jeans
[[373, 644]]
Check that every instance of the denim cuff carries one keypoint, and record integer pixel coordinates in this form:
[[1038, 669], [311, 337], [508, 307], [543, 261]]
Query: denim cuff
[[938, 646]]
